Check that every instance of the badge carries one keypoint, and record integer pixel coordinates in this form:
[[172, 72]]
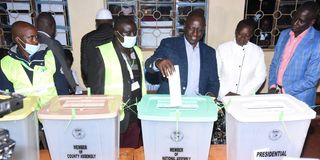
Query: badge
[[132, 55], [135, 85]]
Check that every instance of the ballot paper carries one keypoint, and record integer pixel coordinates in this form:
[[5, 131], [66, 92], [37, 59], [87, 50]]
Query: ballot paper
[[174, 88]]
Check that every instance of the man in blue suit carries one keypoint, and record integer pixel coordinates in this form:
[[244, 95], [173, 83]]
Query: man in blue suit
[[295, 67], [196, 60]]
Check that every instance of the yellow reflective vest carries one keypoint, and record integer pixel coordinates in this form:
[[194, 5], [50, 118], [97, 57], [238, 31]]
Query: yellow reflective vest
[[42, 84], [113, 83]]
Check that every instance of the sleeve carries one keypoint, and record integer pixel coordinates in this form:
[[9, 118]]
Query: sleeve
[[84, 60], [161, 53], [213, 85], [5, 84], [60, 81], [61, 58], [259, 76], [274, 63], [223, 88]]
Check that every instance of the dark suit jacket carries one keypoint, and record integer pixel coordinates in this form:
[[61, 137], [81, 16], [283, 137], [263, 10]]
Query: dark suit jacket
[[175, 50], [56, 48], [92, 65]]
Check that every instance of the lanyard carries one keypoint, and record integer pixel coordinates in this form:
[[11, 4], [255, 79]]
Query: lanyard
[[128, 66]]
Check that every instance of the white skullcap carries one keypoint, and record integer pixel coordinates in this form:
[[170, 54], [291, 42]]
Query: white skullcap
[[103, 14]]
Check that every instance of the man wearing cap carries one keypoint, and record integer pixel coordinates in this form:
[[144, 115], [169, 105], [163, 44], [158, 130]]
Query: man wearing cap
[[92, 65]]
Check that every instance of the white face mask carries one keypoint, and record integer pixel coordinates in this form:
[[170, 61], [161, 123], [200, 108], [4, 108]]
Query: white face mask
[[31, 49], [128, 41]]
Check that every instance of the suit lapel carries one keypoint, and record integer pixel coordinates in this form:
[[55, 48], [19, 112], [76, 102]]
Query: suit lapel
[[298, 56], [202, 67], [281, 48], [299, 51]]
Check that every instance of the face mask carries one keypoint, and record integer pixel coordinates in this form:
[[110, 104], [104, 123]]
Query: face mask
[[128, 41], [31, 49]]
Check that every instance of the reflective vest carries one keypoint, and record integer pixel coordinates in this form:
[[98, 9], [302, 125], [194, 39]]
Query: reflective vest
[[113, 83], [42, 82]]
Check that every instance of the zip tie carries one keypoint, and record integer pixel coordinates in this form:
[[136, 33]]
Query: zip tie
[[177, 123], [281, 119], [37, 107], [129, 107], [73, 113], [125, 106], [226, 105], [88, 91], [73, 116], [122, 108]]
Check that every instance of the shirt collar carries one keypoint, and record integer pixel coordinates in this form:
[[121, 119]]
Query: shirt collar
[[15, 53], [44, 33], [244, 46], [189, 45], [291, 33]]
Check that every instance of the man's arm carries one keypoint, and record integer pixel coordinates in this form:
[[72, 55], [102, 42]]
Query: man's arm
[[160, 61], [60, 56], [84, 60], [60, 81], [213, 85], [274, 64], [5, 84]]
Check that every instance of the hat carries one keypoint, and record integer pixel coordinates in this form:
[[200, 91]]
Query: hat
[[103, 14]]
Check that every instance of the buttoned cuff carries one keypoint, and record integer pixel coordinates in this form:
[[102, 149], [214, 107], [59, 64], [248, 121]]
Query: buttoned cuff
[[154, 67]]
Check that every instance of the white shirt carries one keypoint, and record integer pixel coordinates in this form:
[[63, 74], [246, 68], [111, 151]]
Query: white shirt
[[241, 69], [46, 34], [75, 77], [193, 56]]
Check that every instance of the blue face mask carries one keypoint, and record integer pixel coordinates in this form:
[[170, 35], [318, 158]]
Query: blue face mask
[[31, 49]]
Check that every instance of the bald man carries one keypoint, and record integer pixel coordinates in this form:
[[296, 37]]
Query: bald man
[[30, 68], [46, 26]]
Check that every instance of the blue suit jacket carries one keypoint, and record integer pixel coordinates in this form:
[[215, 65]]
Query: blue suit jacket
[[303, 71], [174, 49]]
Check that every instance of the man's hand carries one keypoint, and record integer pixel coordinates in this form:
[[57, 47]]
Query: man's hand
[[273, 91], [165, 66], [232, 94], [210, 94]]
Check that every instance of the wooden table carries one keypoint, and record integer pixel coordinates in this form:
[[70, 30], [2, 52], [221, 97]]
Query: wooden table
[[217, 152]]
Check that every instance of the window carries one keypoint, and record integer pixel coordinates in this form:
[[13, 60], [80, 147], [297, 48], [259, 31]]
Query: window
[[156, 19], [26, 10], [271, 17]]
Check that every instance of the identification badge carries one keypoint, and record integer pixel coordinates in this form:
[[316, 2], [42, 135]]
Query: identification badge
[[135, 85], [132, 55]]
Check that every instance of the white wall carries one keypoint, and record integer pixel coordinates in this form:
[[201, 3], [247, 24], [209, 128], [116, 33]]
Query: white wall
[[82, 15]]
